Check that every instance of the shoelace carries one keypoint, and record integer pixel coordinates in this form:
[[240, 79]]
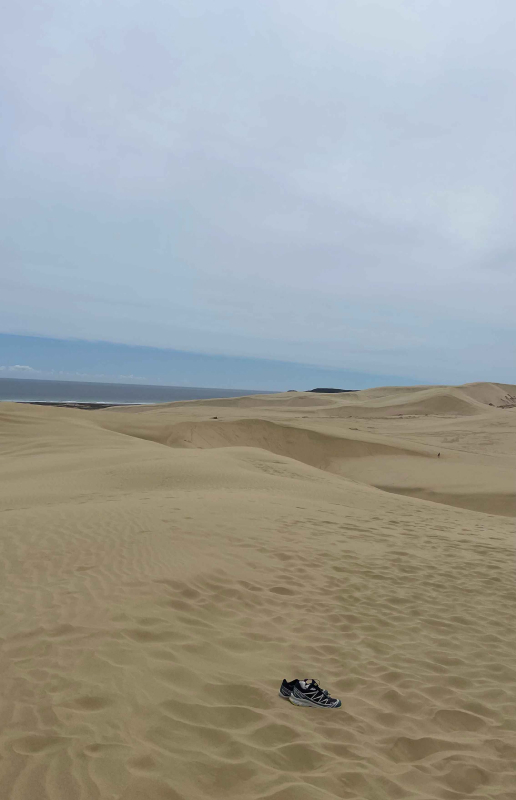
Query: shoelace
[[318, 691]]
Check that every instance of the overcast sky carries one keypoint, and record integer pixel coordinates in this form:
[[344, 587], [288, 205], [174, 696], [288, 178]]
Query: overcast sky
[[329, 182]]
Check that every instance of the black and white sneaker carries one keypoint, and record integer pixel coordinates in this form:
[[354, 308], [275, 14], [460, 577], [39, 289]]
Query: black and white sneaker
[[286, 688], [309, 693]]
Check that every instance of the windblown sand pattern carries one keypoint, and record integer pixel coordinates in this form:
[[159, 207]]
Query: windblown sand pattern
[[163, 570]]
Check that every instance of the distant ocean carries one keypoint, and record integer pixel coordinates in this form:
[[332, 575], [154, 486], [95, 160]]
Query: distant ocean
[[25, 389]]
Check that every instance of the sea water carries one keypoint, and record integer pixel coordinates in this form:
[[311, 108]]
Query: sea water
[[28, 390]]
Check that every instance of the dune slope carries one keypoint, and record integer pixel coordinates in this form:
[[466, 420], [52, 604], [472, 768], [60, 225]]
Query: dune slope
[[398, 467]]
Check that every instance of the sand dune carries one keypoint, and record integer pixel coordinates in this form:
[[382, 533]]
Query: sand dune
[[466, 400], [395, 466], [284, 400], [162, 571], [500, 395], [435, 402]]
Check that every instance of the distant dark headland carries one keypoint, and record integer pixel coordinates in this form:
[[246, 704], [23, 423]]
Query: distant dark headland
[[332, 391]]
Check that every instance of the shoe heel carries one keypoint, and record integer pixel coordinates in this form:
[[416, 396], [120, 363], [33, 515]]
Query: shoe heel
[[296, 702]]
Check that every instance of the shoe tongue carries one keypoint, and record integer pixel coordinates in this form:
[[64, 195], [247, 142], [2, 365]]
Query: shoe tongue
[[306, 683]]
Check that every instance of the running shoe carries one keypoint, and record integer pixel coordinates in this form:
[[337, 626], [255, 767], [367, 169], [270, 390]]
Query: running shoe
[[309, 693]]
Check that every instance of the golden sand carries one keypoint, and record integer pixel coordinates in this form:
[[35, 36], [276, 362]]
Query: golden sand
[[163, 570]]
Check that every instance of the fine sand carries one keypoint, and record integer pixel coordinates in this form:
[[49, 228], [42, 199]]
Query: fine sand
[[163, 568]]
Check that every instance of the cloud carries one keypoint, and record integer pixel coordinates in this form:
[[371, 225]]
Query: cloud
[[26, 371], [19, 368], [90, 375]]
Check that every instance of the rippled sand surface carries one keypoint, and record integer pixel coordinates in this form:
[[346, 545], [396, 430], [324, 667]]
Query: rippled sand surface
[[163, 568]]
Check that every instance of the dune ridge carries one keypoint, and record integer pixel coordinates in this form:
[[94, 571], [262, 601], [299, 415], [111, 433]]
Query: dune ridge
[[162, 571], [391, 401]]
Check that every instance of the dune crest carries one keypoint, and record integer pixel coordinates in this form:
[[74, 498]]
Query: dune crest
[[163, 570]]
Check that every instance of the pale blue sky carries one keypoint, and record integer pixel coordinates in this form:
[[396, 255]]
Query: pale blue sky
[[313, 181], [41, 358]]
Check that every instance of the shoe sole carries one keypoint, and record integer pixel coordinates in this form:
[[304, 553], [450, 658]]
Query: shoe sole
[[284, 696], [296, 701]]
